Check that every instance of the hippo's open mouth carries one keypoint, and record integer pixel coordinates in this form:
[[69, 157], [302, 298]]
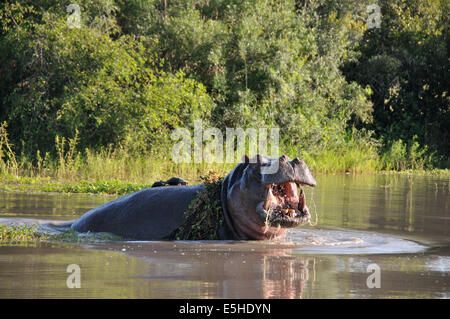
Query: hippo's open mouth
[[284, 204]]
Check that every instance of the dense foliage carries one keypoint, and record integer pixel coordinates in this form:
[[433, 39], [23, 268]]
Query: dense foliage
[[265, 64], [137, 69], [58, 80], [406, 64]]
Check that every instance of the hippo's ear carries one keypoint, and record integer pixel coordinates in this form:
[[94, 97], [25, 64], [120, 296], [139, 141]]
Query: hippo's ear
[[245, 159], [258, 160]]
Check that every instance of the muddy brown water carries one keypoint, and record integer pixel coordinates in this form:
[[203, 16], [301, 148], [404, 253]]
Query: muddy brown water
[[400, 224]]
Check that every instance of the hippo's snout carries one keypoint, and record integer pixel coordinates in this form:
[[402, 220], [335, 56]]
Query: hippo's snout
[[295, 171], [302, 173], [263, 197], [284, 204]]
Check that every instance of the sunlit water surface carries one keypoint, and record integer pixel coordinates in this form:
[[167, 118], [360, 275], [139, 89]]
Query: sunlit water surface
[[399, 223]]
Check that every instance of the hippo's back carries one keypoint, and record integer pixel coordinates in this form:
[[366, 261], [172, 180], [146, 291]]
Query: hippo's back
[[149, 214]]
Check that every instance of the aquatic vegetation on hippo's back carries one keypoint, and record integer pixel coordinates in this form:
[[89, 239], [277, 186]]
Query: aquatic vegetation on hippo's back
[[204, 216]]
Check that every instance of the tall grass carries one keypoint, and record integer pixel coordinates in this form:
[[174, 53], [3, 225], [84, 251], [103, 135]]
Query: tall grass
[[117, 170], [401, 156], [356, 153], [8, 162], [354, 160], [108, 164]]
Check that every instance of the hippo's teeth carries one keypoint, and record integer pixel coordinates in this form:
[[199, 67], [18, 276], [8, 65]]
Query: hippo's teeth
[[266, 205], [266, 199], [302, 202]]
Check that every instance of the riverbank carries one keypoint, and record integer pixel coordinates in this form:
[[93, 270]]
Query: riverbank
[[119, 170], [15, 183]]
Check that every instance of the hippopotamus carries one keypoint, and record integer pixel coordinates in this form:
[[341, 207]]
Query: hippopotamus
[[257, 204]]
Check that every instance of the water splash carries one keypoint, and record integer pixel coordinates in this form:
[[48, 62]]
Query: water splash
[[321, 241]]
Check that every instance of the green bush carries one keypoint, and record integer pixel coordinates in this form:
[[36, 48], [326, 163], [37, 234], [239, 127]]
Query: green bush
[[137, 69], [61, 81], [406, 64], [264, 63]]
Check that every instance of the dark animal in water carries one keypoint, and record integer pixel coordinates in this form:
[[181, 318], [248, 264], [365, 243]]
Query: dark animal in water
[[261, 198]]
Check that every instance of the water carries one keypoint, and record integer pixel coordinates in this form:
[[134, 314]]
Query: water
[[399, 223]]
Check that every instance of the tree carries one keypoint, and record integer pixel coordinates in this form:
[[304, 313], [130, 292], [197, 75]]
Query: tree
[[91, 80], [406, 64], [264, 63]]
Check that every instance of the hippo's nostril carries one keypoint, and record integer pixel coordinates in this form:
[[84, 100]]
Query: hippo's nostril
[[283, 158]]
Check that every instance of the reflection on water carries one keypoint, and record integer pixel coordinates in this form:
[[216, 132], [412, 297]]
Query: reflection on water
[[247, 270], [379, 207]]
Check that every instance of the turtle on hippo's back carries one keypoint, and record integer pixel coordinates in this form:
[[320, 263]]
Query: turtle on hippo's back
[[174, 181]]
